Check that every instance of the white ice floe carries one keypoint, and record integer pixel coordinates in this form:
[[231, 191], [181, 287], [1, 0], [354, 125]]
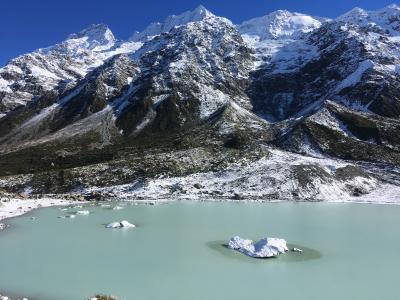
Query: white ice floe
[[67, 217], [127, 224], [117, 207], [297, 250], [83, 212], [122, 224], [266, 247]]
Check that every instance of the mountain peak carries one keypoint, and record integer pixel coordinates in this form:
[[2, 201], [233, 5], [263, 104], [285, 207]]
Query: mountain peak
[[198, 14], [97, 36], [280, 24], [386, 18], [201, 11], [393, 6], [355, 13]]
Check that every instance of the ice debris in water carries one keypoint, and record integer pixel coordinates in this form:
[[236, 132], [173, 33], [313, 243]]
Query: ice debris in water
[[266, 247], [67, 217], [122, 224], [83, 212], [2, 226], [117, 207]]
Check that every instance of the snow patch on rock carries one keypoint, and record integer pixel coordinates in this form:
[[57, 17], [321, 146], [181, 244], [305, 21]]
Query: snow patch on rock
[[356, 76]]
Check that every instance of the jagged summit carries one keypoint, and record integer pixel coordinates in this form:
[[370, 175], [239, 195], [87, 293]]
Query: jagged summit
[[198, 14], [280, 24], [386, 19], [201, 12], [96, 35]]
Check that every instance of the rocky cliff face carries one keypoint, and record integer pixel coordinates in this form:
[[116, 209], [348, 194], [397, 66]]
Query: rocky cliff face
[[345, 94], [284, 106]]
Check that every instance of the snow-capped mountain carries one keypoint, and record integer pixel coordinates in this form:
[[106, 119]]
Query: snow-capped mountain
[[59, 67], [344, 88], [386, 20], [273, 104], [154, 29], [272, 32], [281, 24]]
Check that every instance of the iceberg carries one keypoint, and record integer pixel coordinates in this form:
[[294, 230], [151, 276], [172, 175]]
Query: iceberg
[[122, 224], [127, 224], [266, 247]]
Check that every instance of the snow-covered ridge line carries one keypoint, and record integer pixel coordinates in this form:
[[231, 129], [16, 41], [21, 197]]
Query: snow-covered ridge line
[[154, 29], [90, 47], [386, 18], [280, 24]]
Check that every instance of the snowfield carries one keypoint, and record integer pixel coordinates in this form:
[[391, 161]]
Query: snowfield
[[269, 179]]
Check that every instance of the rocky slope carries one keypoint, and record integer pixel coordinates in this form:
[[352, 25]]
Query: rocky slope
[[285, 106]]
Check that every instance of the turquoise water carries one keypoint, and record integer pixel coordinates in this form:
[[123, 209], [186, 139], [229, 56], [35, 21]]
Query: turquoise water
[[351, 252]]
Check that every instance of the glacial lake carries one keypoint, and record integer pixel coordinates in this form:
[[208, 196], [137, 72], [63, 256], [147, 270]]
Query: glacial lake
[[351, 251]]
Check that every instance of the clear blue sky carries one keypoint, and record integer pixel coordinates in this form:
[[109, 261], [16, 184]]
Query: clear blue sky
[[26, 25]]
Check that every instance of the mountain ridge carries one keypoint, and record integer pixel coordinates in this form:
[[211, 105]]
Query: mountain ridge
[[312, 101]]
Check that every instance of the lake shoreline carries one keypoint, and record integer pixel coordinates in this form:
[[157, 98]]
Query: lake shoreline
[[14, 207], [17, 207]]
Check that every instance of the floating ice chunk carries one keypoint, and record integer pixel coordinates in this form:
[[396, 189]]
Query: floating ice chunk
[[67, 217], [267, 247], [122, 224], [127, 224], [114, 225], [297, 250], [83, 212], [117, 207]]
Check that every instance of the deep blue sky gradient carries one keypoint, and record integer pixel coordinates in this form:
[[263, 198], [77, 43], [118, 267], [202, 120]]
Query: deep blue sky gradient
[[26, 25]]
